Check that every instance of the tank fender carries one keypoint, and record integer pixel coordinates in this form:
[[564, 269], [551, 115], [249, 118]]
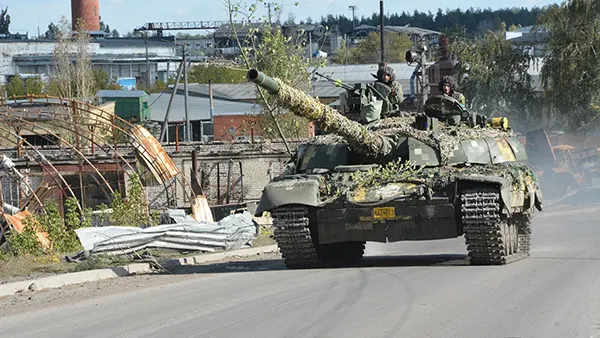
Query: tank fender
[[303, 191], [535, 195], [504, 185]]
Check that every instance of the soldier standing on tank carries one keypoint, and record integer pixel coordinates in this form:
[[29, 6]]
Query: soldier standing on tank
[[387, 76], [447, 85]]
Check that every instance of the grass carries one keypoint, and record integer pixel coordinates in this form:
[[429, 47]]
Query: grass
[[14, 268]]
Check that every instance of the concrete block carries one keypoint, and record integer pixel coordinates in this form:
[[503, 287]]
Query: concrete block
[[219, 256]]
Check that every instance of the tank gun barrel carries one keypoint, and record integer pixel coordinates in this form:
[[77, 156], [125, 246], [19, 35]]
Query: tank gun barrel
[[325, 117]]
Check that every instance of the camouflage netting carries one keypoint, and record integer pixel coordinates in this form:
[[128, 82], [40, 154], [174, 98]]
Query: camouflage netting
[[378, 137], [329, 120], [520, 175]]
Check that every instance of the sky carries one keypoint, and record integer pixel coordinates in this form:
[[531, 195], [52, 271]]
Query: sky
[[125, 15]]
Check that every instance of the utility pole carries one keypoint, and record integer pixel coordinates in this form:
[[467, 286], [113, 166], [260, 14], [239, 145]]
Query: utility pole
[[352, 8], [310, 50], [188, 129], [381, 29], [212, 106], [165, 127], [148, 62]]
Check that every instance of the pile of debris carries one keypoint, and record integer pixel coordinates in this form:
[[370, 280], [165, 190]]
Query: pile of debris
[[185, 234]]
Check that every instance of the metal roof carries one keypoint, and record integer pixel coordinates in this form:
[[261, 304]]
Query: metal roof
[[235, 92], [362, 73], [399, 29], [198, 107], [121, 93], [541, 37], [133, 42], [226, 91], [242, 29], [320, 87]]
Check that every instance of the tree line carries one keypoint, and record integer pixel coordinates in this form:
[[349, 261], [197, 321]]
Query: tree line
[[471, 22]]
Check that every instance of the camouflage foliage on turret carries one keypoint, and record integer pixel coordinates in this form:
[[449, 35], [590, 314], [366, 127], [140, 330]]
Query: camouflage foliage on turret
[[377, 138]]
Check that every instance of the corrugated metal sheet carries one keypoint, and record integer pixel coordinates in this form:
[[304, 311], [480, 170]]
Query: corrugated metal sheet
[[156, 158], [230, 233], [121, 93]]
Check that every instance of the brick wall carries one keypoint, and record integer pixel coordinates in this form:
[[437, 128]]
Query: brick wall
[[241, 124]]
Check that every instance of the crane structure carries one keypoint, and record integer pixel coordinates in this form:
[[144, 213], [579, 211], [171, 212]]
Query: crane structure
[[159, 27]]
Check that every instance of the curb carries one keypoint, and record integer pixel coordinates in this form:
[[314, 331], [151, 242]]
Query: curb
[[218, 256], [58, 281]]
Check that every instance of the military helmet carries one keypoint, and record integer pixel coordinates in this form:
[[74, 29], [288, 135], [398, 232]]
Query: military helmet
[[449, 80], [386, 70]]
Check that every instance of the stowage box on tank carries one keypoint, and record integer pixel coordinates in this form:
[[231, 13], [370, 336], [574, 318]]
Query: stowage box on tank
[[443, 174]]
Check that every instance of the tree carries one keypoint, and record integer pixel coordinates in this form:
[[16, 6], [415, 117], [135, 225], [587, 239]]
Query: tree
[[344, 54], [115, 34], [102, 81], [104, 27], [218, 74], [368, 50], [571, 70], [275, 54], [16, 86], [73, 76], [34, 85], [495, 80], [52, 32], [4, 21], [472, 22]]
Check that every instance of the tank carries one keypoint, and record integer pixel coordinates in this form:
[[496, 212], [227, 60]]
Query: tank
[[441, 174]]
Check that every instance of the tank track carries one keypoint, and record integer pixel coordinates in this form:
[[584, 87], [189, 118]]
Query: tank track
[[292, 233], [523, 223], [490, 240]]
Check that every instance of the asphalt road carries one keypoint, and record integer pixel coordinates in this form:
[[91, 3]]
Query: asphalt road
[[410, 290]]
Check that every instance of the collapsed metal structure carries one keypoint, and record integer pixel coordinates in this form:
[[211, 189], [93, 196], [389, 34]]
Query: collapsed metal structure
[[89, 140]]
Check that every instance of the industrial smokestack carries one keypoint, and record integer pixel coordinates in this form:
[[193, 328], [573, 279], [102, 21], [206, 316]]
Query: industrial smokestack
[[88, 11]]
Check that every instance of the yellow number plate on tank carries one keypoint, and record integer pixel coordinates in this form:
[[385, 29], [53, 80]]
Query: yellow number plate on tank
[[384, 213]]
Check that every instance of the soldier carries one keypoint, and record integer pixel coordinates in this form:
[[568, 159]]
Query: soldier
[[387, 76], [447, 85]]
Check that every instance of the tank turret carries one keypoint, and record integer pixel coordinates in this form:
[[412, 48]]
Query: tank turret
[[442, 126]]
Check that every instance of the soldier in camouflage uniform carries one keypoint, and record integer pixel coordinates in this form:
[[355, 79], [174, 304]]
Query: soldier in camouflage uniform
[[388, 77], [447, 85]]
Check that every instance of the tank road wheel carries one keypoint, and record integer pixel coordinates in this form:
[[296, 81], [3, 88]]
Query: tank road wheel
[[490, 239], [294, 238]]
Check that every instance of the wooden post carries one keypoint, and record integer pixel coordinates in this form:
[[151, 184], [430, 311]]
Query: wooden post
[[177, 138]]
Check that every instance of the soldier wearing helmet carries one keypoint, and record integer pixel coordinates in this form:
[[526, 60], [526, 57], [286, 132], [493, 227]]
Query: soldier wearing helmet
[[387, 76], [387, 96], [447, 85]]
